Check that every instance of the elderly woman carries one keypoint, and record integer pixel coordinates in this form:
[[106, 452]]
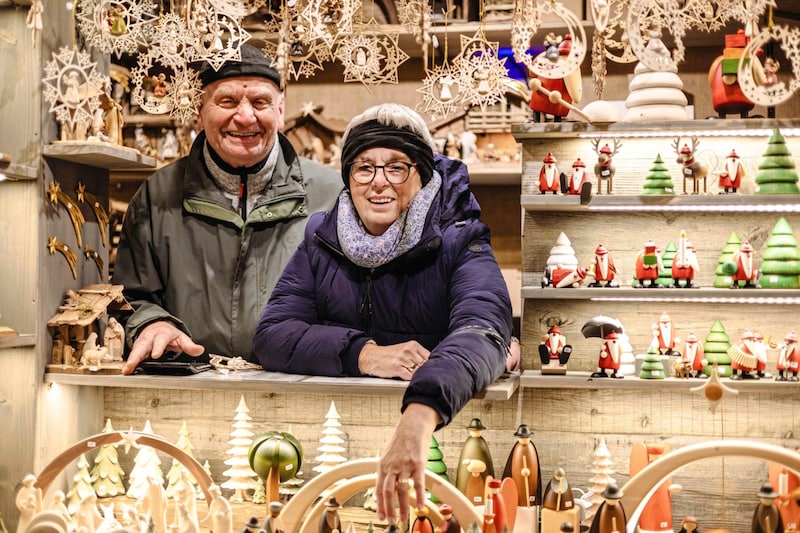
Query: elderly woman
[[398, 280]]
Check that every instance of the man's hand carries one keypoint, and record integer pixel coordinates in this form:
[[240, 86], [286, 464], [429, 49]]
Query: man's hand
[[157, 337], [395, 360]]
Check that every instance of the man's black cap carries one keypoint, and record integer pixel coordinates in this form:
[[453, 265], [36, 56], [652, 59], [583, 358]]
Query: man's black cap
[[254, 63]]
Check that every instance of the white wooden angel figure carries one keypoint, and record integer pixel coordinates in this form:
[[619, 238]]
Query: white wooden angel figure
[[29, 502], [113, 339], [220, 511], [186, 504], [154, 504], [57, 504], [34, 19], [88, 515]]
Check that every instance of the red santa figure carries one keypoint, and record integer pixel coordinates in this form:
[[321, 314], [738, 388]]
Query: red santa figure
[[788, 359], [743, 357], [578, 178], [554, 352], [744, 273], [549, 180], [568, 89], [602, 269], [731, 176], [693, 356], [684, 264], [648, 265], [726, 95], [496, 515], [609, 358], [666, 335], [761, 355]]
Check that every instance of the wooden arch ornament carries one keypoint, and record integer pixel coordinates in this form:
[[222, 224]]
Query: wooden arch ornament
[[637, 491], [352, 477]]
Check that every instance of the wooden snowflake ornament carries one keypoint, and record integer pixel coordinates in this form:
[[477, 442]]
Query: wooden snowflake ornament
[[480, 71], [295, 55], [73, 87], [440, 92], [217, 36], [172, 42], [372, 56], [115, 26], [761, 83], [652, 18], [548, 65], [330, 20]]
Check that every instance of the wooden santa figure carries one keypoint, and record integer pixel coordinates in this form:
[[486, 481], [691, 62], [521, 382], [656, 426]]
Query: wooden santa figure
[[730, 179], [549, 179]]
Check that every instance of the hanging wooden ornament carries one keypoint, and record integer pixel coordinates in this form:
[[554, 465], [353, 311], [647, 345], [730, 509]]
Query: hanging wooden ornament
[[553, 63], [371, 56], [115, 26], [150, 81], [57, 196], [172, 42], [653, 17], [480, 71], [440, 92], [600, 15], [73, 87], [295, 56], [330, 20], [416, 17], [34, 19], [762, 83], [238, 8], [615, 37], [184, 94], [217, 36], [94, 256], [525, 22], [54, 245], [99, 211]]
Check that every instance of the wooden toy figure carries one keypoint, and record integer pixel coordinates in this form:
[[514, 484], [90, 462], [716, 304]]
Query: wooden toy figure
[[329, 522], [692, 168], [604, 170], [449, 523], [422, 524], [476, 486], [741, 268], [657, 513], [693, 357], [523, 467], [578, 184], [220, 511], [665, 332], [766, 518], [558, 505], [474, 447], [609, 358], [788, 359], [562, 277], [554, 352], [549, 178], [730, 179], [564, 90], [610, 516], [743, 357], [648, 266], [688, 525], [28, 501], [726, 95], [495, 510], [602, 269], [272, 523], [684, 264], [761, 355]]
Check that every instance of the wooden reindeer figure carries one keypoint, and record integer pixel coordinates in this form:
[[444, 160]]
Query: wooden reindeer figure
[[604, 169], [692, 168]]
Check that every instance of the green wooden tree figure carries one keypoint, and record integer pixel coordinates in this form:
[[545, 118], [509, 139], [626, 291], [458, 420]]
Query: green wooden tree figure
[[715, 349], [658, 180], [665, 275], [81, 485], [780, 265], [107, 474], [776, 172], [722, 280], [436, 465], [652, 367]]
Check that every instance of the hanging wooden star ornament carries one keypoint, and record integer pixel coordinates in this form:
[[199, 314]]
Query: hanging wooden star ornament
[[417, 16], [94, 256], [184, 94], [217, 36], [172, 42], [57, 196], [600, 15], [615, 36], [525, 22], [294, 55], [115, 26], [73, 87], [150, 84], [647, 21], [372, 56], [100, 213], [330, 20], [763, 83], [440, 92], [564, 53], [480, 71], [54, 245]]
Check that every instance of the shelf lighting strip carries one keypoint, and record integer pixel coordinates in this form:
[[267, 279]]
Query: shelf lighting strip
[[765, 132], [708, 300], [759, 208]]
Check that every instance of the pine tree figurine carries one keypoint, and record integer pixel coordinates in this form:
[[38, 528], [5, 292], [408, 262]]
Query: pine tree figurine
[[715, 350], [665, 274], [776, 172], [81, 485], [174, 474], [602, 468], [241, 477], [259, 492], [658, 180], [106, 473], [780, 265], [652, 367], [722, 280], [436, 465], [330, 445], [146, 464]]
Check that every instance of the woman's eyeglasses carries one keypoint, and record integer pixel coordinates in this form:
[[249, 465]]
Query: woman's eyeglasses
[[395, 172]]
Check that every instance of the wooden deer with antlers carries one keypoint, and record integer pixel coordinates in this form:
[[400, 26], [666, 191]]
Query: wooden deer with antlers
[[604, 169], [692, 168]]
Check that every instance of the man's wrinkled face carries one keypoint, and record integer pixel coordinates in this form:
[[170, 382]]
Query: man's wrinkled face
[[240, 117]]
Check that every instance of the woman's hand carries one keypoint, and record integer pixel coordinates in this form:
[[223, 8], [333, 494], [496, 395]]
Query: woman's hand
[[393, 361], [157, 337], [402, 465]]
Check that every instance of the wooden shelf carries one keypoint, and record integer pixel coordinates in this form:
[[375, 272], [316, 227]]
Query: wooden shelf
[[99, 155], [147, 119], [257, 380], [665, 294], [18, 341], [15, 172], [533, 379], [495, 174], [729, 203]]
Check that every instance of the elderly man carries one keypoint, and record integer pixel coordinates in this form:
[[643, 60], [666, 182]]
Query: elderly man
[[206, 238]]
